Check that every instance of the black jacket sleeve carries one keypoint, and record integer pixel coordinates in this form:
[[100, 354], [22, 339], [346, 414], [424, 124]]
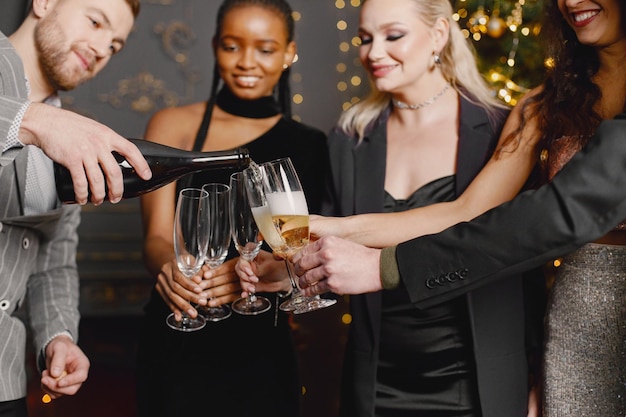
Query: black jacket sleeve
[[583, 202]]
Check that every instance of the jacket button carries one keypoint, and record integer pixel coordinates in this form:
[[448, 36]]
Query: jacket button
[[26, 243], [452, 276], [4, 305], [441, 280]]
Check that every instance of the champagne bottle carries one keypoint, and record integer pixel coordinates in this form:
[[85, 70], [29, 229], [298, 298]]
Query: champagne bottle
[[167, 164]]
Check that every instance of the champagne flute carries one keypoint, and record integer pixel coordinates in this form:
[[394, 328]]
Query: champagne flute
[[247, 240], [190, 244], [282, 215], [218, 239]]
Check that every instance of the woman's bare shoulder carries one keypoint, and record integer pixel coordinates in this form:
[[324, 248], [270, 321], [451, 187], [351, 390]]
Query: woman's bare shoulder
[[175, 125]]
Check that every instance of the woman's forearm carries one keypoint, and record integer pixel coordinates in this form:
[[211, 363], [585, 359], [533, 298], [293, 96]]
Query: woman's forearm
[[381, 230], [156, 253]]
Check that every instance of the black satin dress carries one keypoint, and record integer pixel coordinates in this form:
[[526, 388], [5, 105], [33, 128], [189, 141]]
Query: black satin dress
[[244, 366], [426, 364]]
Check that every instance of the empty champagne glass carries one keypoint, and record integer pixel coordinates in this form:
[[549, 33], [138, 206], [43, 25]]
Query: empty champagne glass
[[281, 212], [247, 239], [190, 244], [218, 239]]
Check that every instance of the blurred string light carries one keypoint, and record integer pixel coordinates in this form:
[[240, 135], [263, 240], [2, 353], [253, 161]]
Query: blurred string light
[[296, 77], [485, 18], [349, 70], [350, 74], [502, 21]]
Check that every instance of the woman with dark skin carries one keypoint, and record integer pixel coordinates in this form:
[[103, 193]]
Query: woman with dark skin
[[184, 374]]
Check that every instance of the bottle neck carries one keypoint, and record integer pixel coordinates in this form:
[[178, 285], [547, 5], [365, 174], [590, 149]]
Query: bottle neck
[[238, 157]]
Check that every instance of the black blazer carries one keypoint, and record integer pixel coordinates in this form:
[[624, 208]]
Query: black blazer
[[584, 201], [496, 312]]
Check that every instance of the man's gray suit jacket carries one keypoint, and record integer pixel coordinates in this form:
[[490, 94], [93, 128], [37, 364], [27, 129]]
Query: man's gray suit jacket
[[37, 253]]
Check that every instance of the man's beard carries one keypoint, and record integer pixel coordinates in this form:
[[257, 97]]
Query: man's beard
[[49, 41]]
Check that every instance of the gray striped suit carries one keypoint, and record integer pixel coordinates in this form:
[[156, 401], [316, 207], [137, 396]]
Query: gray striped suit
[[37, 252]]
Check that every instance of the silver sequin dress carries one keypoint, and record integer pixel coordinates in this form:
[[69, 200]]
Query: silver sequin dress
[[585, 328], [585, 353]]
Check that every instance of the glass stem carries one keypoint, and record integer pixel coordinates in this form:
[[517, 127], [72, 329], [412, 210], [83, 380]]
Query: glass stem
[[295, 290], [249, 258]]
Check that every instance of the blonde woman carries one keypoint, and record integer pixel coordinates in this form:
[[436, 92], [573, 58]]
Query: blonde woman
[[424, 133]]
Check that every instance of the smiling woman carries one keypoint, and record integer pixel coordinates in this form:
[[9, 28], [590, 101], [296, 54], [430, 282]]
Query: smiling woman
[[250, 357]]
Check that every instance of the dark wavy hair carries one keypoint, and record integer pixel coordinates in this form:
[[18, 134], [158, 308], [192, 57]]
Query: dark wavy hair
[[565, 105], [282, 9]]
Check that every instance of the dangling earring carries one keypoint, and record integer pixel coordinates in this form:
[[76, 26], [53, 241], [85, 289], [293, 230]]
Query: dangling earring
[[436, 58], [285, 66]]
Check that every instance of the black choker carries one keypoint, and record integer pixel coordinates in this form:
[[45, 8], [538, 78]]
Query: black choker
[[254, 109]]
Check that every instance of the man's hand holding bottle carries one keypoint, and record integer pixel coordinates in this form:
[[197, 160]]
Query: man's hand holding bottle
[[84, 147]]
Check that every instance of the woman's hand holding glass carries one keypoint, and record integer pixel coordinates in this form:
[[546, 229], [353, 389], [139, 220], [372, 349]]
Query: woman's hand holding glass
[[221, 285], [190, 245], [248, 241], [265, 274], [320, 226], [218, 240], [179, 292]]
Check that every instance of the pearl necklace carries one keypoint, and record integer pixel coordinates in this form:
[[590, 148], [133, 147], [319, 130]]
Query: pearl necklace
[[402, 105]]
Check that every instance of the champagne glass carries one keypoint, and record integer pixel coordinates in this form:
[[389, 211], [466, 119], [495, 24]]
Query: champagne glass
[[281, 212], [218, 239], [190, 244], [247, 240]]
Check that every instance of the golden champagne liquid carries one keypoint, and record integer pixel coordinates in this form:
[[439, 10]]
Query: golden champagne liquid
[[294, 229], [263, 219], [291, 218]]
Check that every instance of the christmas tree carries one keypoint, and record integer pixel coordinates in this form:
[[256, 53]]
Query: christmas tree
[[505, 34]]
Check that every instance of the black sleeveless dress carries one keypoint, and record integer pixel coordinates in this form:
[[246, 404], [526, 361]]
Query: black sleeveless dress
[[244, 365], [425, 362]]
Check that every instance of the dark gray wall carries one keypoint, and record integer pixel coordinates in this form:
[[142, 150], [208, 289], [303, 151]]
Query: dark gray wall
[[13, 11]]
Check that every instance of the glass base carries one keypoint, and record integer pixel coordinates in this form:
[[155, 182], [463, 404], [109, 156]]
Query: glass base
[[313, 304], [292, 303], [186, 324], [299, 304], [215, 313], [251, 307]]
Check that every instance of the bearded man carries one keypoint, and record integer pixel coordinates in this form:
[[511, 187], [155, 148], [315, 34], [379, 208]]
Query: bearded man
[[60, 45]]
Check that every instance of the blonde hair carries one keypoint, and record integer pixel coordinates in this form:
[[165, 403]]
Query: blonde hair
[[458, 65]]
